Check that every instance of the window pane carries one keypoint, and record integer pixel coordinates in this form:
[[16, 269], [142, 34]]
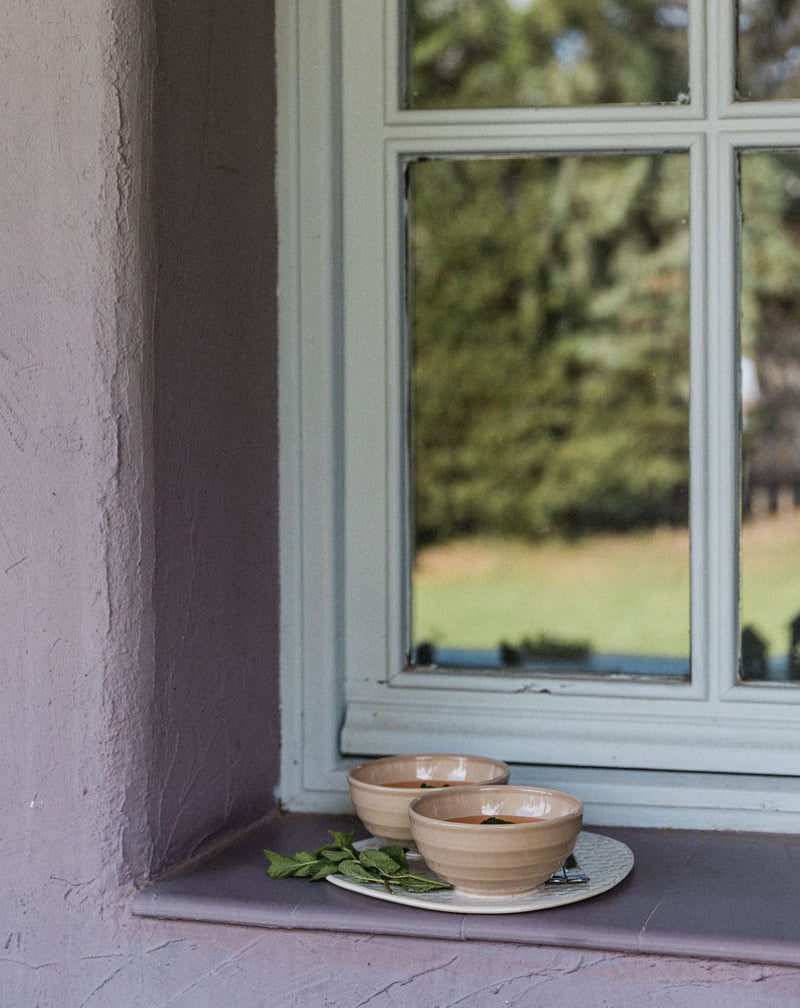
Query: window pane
[[768, 50], [549, 320], [526, 53], [770, 341]]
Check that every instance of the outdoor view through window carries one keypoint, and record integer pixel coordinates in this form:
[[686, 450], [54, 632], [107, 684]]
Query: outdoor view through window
[[770, 338], [549, 351], [768, 69], [527, 53]]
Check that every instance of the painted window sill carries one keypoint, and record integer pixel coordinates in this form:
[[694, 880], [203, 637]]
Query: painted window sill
[[725, 896]]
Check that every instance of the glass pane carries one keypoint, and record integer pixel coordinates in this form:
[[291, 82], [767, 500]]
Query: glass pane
[[770, 439], [549, 335], [527, 53], [768, 50]]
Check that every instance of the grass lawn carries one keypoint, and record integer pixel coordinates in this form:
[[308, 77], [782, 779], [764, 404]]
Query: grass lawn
[[770, 561], [620, 594]]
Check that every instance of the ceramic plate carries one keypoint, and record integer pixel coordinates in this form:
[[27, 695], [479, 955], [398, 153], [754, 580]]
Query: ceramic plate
[[606, 861]]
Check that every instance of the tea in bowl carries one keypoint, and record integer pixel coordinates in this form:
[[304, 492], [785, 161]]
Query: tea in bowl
[[495, 841], [382, 789]]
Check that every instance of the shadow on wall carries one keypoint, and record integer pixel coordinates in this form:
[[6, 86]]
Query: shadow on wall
[[215, 741]]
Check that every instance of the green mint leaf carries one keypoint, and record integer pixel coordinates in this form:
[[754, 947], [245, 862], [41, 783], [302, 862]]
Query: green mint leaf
[[334, 855], [387, 864], [280, 866], [381, 862], [323, 870], [305, 857], [356, 871], [396, 853], [308, 869], [415, 884], [342, 839]]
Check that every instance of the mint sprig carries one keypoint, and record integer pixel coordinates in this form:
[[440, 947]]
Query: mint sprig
[[386, 866]]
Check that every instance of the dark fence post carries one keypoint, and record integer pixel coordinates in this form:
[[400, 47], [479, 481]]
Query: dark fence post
[[793, 671], [754, 656]]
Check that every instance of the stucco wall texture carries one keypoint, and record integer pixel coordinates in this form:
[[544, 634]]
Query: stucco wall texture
[[138, 537]]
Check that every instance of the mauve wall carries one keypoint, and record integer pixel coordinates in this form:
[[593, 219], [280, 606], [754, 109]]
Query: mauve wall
[[138, 653], [76, 553], [215, 421]]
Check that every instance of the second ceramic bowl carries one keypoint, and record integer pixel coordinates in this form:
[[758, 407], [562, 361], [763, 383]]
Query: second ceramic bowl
[[382, 789]]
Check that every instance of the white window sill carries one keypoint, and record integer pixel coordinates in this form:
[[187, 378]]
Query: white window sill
[[708, 895]]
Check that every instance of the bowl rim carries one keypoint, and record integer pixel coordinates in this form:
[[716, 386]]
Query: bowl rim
[[416, 808], [353, 773]]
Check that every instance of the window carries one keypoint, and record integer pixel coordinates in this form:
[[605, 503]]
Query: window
[[366, 155]]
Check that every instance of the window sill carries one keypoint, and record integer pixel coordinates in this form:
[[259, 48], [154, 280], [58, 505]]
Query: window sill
[[724, 896]]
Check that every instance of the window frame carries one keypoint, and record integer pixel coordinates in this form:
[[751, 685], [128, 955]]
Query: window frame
[[331, 582]]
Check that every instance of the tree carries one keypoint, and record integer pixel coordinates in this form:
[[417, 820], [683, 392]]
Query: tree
[[549, 294]]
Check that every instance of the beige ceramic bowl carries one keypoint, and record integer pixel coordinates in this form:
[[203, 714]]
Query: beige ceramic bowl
[[496, 860], [382, 789]]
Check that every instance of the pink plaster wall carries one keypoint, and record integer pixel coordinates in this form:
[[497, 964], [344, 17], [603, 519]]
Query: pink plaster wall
[[138, 653], [76, 550], [138, 473]]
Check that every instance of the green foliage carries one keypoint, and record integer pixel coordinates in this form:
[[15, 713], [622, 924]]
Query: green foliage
[[549, 295], [484, 53], [550, 327], [770, 198], [769, 34], [387, 866]]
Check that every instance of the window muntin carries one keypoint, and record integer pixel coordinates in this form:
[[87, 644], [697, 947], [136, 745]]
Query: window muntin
[[549, 322]]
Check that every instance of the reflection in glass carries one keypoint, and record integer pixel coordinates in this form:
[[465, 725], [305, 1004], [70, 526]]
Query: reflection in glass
[[548, 312], [527, 53], [768, 63], [770, 391]]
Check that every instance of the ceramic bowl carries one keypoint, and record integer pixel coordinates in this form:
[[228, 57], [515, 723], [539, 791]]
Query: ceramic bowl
[[382, 789], [495, 860]]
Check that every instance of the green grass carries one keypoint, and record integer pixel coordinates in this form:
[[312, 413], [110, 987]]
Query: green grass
[[770, 559], [627, 594]]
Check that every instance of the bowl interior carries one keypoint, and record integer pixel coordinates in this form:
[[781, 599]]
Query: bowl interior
[[431, 770]]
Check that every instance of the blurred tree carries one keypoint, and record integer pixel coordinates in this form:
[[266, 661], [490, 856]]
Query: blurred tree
[[770, 311], [768, 63], [550, 322], [496, 53], [549, 294]]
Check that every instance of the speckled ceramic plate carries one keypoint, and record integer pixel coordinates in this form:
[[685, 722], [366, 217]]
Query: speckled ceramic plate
[[606, 861]]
